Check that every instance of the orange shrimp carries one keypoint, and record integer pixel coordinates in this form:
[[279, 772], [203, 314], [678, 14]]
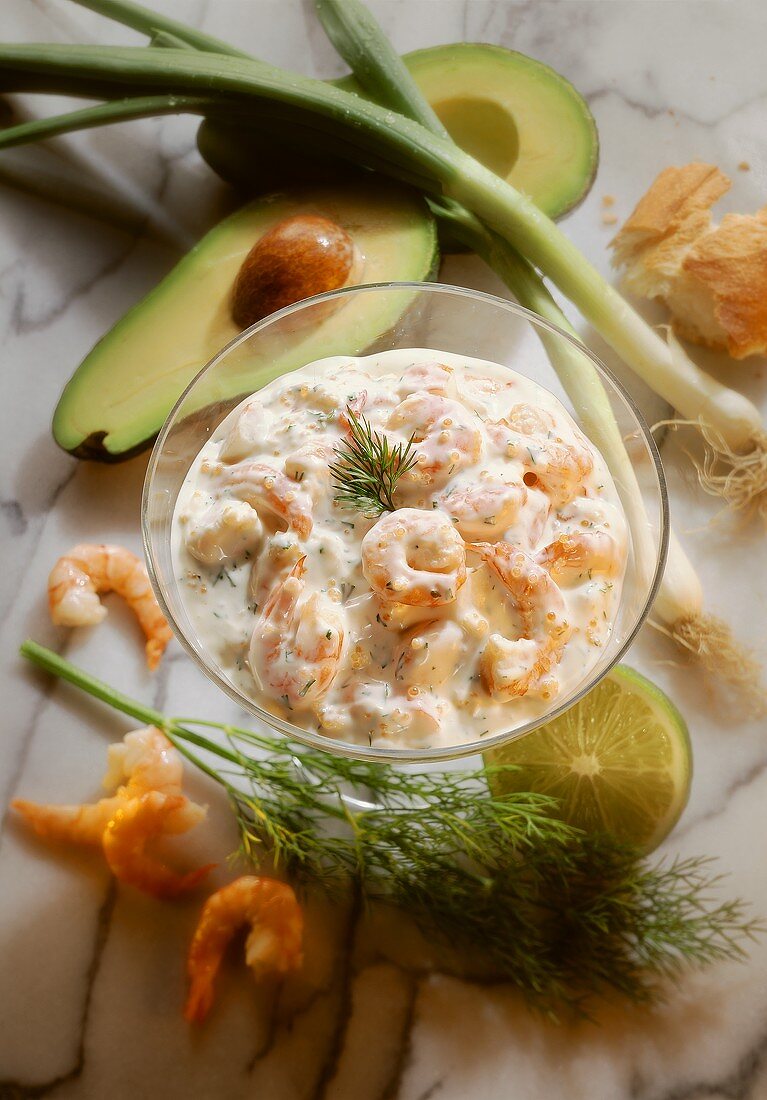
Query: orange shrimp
[[273, 946], [148, 805], [512, 667], [137, 822], [264, 487], [572, 554], [445, 441], [78, 577], [296, 647]]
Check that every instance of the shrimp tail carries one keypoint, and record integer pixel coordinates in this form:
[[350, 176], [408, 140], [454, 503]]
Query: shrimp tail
[[68, 824]]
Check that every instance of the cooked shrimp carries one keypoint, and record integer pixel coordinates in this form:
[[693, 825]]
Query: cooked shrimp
[[445, 440], [576, 553], [412, 556], [309, 466], [279, 555], [228, 531], [297, 643], [430, 653], [89, 569], [136, 822], [436, 378], [273, 946], [144, 760], [147, 767], [511, 667], [556, 465], [486, 508], [264, 487], [83, 824], [253, 424]]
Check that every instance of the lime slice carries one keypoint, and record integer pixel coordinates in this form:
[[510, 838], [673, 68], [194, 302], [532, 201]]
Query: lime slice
[[619, 761]]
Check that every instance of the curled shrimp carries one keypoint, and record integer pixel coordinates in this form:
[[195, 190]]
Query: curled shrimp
[[558, 466], [266, 488], [89, 569], [436, 378], [512, 667], [147, 805], [445, 442], [429, 654], [414, 557], [253, 422], [309, 466], [296, 648], [574, 553], [273, 946], [225, 532], [485, 509], [137, 822]]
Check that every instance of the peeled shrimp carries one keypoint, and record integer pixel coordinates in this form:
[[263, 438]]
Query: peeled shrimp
[[576, 553], [136, 822], [511, 667], [252, 425], [148, 804], [430, 653], [296, 648], [556, 465], [436, 378], [273, 946], [89, 569], [309, 466], [264, 487], [413, 556], [486, 508], [445, 441], [228, 531]]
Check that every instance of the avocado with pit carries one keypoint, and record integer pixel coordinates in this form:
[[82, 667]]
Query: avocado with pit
[[516, 115], [118, 398]]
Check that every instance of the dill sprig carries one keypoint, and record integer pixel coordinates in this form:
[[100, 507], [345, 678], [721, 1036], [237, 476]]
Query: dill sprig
[[369, 467], [518, 894]]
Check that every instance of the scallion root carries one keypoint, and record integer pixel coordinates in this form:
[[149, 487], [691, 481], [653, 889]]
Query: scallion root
[[739, 478], [710, 642]]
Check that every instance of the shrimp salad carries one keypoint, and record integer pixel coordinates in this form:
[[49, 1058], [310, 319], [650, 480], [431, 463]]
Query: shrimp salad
[[490, 589]]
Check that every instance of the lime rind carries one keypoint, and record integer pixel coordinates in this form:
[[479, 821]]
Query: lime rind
[[619, 761]]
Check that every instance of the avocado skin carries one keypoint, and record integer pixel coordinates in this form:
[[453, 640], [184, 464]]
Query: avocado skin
[[140, 366]]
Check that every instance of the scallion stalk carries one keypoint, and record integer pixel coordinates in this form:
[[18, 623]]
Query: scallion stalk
[[110, 72], [679, 604]]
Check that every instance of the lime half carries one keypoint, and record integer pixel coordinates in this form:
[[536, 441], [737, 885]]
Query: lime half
[[619, 761]]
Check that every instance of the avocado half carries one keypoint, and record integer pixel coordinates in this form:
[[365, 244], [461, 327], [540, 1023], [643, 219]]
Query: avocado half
[[516, 115], [118, 398]]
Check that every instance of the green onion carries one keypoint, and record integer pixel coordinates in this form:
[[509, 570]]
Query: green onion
[[381, 72]]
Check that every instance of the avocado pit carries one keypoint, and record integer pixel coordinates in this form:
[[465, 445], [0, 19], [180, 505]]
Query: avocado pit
[[300, 256]]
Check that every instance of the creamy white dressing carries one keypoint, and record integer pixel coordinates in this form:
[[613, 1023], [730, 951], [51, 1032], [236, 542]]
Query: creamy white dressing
[[409, 640]]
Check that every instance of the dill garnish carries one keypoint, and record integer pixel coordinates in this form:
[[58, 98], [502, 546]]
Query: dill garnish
[[369, 467], [525, 897]]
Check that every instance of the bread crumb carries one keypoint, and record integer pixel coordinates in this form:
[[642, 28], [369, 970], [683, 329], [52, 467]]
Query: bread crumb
[[609, 219], [608, 200], [744, 166]]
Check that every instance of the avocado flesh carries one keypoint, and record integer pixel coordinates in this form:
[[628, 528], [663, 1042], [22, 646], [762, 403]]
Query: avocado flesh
[[118, 398], [516, 115]]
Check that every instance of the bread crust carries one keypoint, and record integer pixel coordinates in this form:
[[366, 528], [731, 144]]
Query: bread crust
[[713, 278]]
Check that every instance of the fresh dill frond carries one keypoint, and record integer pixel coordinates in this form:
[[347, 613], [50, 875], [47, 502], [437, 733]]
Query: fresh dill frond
[[523, 897], [519, 894], [369, 467]]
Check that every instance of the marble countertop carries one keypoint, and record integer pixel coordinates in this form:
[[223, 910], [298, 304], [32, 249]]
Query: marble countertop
[[91, 977]]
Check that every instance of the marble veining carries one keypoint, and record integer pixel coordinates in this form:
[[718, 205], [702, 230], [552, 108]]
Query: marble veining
[[91, 976]]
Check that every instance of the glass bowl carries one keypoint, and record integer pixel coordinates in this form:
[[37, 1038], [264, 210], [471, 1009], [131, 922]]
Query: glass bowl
[[377, 318]]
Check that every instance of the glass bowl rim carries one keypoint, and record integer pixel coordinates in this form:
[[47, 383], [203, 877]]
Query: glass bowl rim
[[387, 755]]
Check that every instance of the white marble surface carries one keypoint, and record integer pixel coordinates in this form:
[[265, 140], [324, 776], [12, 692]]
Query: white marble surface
[[91, 978]]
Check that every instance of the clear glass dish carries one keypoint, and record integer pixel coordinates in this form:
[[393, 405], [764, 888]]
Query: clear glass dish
[[378, 318]]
